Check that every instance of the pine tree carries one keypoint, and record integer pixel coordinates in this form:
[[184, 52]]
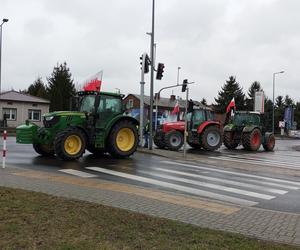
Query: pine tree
[[60, 88], [288, 101], [229, 90], [37, 89], [255, 87]]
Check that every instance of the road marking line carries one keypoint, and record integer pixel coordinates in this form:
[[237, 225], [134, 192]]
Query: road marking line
[[77, 173], [213, 186], [236, 183], [287, 166], [262, 160], [185, 189], [292, 184], [134, 190]]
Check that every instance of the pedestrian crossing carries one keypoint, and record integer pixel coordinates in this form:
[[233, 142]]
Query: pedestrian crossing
[[286, 161], [202, 181]]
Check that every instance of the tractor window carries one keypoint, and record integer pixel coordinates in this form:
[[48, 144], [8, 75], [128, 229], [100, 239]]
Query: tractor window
[[87, 103], [210, 115], [110, 104], [198, 116]]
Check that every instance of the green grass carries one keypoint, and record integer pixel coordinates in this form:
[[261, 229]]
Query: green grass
[[30, 220]]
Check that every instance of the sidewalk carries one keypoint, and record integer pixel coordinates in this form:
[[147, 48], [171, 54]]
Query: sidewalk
[[258, 223]]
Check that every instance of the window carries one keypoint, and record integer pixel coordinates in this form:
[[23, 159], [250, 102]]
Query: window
[[130, 104], [10, 114], [110, 104], [34, 115]]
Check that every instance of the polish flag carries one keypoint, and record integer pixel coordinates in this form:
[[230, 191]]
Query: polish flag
[[176, 109], [94, 82], [231, 105]]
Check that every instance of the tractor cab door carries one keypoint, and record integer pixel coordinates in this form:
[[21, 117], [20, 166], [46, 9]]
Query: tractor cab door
[[109, 107], [198, 117]]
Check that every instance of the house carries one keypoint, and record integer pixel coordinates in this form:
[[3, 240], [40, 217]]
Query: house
[[17, 107], [164, 106]]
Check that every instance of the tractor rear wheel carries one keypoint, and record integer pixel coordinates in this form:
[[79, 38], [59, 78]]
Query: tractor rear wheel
[[159, 139], [211, 138], [70, 144], [269, 143], [123, 139], [43, 149], [252, 141], [174, 140], [229, 142]]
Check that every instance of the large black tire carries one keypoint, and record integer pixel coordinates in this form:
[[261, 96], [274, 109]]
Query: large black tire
[[194, 145], [43, 149], [70, 144], [174, 140], [94, 150], [211, 138], [159, 139], [251, 141], [229, 142], [123, 139], [269, 143]]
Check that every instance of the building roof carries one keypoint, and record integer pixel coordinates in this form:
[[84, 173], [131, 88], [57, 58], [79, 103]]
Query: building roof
[[167, 102], [21, 97]]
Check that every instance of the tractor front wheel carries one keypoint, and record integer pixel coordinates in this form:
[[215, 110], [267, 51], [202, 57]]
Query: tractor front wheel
[[70, 144], [43, 149], [123, 139], [159, 139], [229, 141], [252, 141], [174, 140], [269, 143], [211, 138]]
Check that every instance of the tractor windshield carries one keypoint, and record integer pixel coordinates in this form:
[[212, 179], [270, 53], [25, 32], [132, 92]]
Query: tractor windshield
[[246, 119], [87, 103]]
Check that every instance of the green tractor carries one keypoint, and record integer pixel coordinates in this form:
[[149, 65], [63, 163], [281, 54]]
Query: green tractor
[[248, 129], [98, 126]]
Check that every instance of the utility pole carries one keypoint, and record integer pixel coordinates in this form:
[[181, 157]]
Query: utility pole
[[5, 20], [152, 78]]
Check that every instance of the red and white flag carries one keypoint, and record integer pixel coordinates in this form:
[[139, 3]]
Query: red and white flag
[[176, 109], [94, 82], [231, 105]]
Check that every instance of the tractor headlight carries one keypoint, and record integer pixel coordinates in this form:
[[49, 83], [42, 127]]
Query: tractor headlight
[[49, 118]]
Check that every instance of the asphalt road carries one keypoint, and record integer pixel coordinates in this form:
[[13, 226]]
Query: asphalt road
[[236, 177]]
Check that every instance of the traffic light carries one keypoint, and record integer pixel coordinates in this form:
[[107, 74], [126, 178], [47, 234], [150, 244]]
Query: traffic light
[[190, 106], [160, 71], [145, 63], [184, 85]]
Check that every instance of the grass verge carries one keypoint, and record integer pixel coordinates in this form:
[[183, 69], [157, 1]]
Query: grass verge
[[31, 220]]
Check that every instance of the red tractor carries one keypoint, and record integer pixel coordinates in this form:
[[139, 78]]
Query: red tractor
[[203, 131]]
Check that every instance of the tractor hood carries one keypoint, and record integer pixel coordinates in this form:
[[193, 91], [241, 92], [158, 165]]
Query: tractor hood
[[64, 113]]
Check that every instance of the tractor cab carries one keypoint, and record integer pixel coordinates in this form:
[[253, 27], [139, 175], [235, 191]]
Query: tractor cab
[[198, 116], [242, 119]]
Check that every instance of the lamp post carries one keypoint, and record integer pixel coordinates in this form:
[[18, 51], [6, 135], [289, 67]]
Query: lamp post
[[178, 75], [4, 20], [273, 116]]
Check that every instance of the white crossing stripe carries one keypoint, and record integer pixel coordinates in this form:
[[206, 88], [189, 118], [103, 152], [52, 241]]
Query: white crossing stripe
[[185, 189], [77, 173], [288, 184], [212, 186], [272, 164], [235, 183]]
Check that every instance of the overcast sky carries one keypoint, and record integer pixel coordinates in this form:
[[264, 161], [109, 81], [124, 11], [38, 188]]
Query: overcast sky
[[209, 39]]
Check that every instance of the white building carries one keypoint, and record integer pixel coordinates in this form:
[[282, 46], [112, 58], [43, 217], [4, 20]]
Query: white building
[[18, 107]]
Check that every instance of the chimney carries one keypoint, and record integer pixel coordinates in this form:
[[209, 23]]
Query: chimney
[[172, 97]]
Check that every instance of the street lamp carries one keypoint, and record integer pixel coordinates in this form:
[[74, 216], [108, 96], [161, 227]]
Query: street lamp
[[3, 21], [178, 75], [273, 116]]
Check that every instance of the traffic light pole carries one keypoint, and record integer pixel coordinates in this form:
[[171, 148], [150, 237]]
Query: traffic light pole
[[142, 99], [185, 122]]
